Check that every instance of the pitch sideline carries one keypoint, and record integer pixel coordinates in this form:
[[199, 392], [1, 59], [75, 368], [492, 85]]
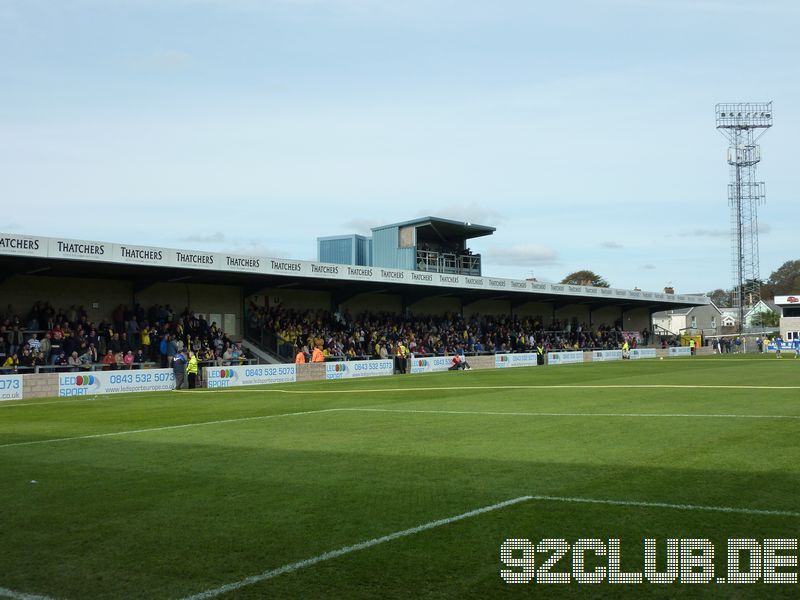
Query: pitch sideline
[[245, 389], [255, 389]]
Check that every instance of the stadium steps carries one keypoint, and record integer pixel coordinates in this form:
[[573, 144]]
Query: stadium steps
[[263, 355]]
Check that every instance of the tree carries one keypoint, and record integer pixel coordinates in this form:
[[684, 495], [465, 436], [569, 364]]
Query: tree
[[720, 297], [766, 319], [585, 278], [784, 280]]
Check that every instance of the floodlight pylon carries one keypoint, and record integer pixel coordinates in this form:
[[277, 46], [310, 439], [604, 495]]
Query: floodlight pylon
[[743, 124]]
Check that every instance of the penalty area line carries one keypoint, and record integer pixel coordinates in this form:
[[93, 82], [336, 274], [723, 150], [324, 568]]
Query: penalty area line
[[308, 562], [694, 507]]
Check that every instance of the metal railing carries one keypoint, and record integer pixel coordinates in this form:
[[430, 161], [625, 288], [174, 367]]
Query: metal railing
[[448, 262], [90, 367], [268, 342], [87, 367]]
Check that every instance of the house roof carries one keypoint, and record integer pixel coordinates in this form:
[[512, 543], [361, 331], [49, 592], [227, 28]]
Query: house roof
[[710, 304], [672, 313], [447, 227], [760, 307], [679, 312]]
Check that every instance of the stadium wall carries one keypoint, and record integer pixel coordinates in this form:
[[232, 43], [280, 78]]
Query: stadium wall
[[606, 315], [23, 291], [295, 299], [42, 385], [574, 311], [534, 309], [373, 303], [201, 298], [636, 319], [488, 307], [436, 306], [46, 385]]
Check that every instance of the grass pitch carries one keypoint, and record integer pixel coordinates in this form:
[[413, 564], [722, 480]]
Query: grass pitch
[[170, 495]]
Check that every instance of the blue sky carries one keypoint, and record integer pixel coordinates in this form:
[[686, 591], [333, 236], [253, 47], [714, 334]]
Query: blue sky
[[583, 130]]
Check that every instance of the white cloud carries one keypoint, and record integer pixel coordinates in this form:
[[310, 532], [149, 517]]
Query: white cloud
[[362, 226], [523, 255], [713, 233], [763, 228], [611, 245], [171, 58], [648, 267], [471, 212], [221, 242], [722, 7], [210, 238]]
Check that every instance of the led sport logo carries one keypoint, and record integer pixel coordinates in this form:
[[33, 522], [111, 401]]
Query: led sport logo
[[503, 358], [336, 371], [422, 363], [77, 385], [84, 380], [793, 299], [221, 378]]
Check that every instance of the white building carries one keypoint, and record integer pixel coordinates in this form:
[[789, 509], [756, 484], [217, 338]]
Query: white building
[[790, 316], [708, 320], [764, 307]]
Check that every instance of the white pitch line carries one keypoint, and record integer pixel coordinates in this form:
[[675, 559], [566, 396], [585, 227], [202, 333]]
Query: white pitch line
[[401, 410], [26, 403], [566, 414], [498, 387], [697, 507], [165, 428], [6, 593], [231, 587], [253, 389], [308, 562]]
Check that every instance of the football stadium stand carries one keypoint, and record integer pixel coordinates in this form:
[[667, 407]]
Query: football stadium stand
[[414, 284]]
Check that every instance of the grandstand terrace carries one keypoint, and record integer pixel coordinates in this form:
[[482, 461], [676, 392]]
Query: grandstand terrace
[[224, 288]]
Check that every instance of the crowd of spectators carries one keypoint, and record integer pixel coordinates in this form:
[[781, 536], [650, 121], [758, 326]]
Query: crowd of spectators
[[376, 335], [67, 339]]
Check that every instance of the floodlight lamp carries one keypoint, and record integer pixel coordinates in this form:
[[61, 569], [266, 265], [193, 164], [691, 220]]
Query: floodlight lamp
[[768, 115], [722, 115]]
